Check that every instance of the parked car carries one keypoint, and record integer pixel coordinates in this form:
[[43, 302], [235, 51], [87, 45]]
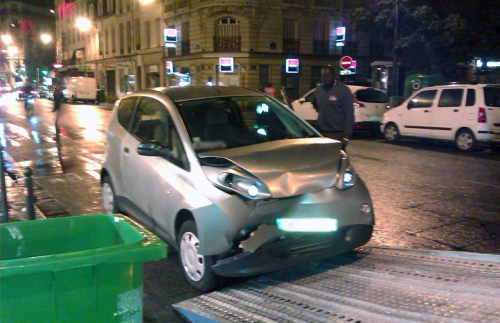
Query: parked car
[[233, 179], [41, 91], [369, 106], [466, 114], [80, 89], [50, 93]]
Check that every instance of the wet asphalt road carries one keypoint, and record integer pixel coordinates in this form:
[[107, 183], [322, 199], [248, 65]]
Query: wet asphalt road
[[425, 194]]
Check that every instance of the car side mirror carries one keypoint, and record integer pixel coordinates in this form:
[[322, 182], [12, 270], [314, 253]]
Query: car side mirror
[[152, 148]]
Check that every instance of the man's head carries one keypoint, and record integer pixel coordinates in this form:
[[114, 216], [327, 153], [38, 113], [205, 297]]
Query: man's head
[[328, 75], [268, 88]]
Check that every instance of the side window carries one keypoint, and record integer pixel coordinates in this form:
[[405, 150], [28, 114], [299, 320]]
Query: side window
[[125, 111], [152, 122], [471, 98], [424, 99], [451, 98]]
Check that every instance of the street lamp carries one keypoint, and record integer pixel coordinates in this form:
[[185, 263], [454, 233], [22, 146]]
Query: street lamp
[[145, 2], [46, 38], [12, 50], [7, 39], [83, 24]]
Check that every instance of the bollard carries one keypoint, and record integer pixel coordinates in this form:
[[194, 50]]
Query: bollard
[[5, 211], [28, 192]]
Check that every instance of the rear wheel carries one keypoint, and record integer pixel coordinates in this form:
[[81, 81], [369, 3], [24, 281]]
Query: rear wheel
[[391, 132], [108, 197], [465, 140], [197, 268]]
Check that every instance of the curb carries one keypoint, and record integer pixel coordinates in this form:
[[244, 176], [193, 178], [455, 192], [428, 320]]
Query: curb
[[44, 202]]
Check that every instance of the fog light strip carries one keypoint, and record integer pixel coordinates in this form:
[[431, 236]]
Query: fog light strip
[[307, 225]]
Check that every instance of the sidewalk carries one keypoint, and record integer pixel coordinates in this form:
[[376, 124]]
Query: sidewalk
[[16, 201]]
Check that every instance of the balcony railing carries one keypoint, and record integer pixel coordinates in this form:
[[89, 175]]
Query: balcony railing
[[326, 3], [321, 47], [227, 44], [350, 48], [291, 46], [185, 47]]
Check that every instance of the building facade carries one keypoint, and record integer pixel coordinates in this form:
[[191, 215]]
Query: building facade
[[21, 25], [126, 45]]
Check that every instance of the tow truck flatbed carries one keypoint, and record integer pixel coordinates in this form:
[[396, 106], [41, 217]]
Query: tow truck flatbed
[[368, 285]]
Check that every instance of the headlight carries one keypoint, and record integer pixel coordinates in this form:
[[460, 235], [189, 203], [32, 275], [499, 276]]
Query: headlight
[[248, 187], [346, 175]]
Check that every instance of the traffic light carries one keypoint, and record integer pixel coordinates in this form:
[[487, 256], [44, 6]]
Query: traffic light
[[45, 72]]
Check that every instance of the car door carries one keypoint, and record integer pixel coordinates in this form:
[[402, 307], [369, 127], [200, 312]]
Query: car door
[[448, 114], [304, 108], [417, 117], [152, 181]]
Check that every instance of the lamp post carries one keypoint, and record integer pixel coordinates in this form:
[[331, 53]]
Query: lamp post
[[395, 68]]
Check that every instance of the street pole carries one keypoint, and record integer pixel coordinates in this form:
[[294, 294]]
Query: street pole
[[395, 69]]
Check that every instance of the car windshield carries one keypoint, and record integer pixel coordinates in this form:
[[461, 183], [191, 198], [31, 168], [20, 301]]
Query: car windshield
[[492, 96], [231, 122], [371, 96]]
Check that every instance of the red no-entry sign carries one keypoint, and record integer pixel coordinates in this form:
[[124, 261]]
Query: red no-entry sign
[[346, 62]]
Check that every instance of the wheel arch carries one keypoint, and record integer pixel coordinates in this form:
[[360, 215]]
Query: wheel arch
[[464, 128], [104, 173], [181, 217]]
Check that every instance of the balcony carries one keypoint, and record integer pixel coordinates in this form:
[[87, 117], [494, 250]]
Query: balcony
[[185, 47], [291, 46], [321, 47], [227, 44], [326, 3], [350, 48]]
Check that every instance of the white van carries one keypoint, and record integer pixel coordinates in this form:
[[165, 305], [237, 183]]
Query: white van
[[369, 106], [80, 89], [466, 114]]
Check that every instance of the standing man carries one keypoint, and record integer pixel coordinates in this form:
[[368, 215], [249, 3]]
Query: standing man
[[269, 89], [334, 102], [58, 97]]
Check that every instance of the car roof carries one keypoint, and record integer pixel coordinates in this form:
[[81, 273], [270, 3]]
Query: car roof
[[452, 85], [196, 92]]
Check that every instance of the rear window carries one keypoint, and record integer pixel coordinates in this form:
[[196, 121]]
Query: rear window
[[492, 96], [371, 96]]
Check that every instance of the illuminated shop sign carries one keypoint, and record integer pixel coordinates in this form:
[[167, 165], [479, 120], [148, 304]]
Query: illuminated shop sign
[[170, 37], [169, 67], [226, 64], [340, 36], [292, 65]]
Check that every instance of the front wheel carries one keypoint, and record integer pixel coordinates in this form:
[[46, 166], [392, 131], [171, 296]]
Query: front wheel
[[197, 268], [391, 132], [465, 140]]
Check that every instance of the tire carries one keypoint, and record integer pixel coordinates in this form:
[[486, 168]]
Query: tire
[[465, 140], [108, 197], [391, 132], [196, 268]]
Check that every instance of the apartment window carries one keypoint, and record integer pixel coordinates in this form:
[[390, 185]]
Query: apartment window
[[138, 34], [113, 40], [101, 43], [291, 43], [185, 44], [109, 5], [129, 5], [99, 8], [147, 31], [321, 43], [171, 51], [129, 37], [122, 39], [106, 40], [91, 11], [158, 32], [227, 35], [120, 6], [263, 75]]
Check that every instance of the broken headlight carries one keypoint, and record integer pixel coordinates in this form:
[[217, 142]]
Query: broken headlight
[[346, 176], [247, 187]]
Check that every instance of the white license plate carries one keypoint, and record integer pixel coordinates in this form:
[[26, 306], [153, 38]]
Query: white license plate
[[307, 225], [375, 118]]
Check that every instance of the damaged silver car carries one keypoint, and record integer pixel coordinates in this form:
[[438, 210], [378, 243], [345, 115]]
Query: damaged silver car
[[233, 179]]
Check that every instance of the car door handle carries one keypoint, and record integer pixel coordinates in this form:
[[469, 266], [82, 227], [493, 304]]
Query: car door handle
[[426, 111], [456, 110], [126, 150]]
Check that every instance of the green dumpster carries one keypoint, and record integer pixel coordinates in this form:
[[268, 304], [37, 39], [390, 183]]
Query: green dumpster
[[101, 96], [75, 269]]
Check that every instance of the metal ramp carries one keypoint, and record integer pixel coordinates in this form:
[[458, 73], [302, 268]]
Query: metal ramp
[[370, 285]]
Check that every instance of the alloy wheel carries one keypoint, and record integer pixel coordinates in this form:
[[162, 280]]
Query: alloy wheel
[[108, 198], [465, 141], [391, 133]]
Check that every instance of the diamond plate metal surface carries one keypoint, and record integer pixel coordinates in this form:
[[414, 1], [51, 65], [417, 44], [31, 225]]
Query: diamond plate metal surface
[[370, 285]]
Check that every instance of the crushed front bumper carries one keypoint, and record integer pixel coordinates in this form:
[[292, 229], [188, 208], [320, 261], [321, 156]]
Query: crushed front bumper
[[294, 249]]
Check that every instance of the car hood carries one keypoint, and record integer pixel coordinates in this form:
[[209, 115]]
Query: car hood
[[287, 167]]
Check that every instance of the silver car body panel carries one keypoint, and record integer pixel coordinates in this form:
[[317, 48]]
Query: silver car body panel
[[288, 167]]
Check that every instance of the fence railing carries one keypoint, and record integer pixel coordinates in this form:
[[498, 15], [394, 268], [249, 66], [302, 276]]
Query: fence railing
[[227, 44]]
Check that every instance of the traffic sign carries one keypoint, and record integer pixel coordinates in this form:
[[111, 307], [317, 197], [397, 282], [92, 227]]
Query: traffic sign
[[346, 62]]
